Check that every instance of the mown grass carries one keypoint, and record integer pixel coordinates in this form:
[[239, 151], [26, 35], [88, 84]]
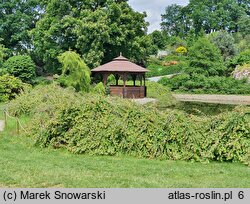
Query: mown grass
[[159, 70], [24, 165]]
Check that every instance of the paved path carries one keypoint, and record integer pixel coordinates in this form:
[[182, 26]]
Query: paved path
[[1, 125], [156, 79], [143, 101], [220, 99]]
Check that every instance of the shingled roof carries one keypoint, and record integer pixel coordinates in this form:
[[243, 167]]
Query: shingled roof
[[120, 64]]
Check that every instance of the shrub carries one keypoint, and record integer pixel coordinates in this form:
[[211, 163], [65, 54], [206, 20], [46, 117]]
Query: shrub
[[226, 44], [21, 66], [44, 99], [202, 84], [228, 136], [161, 93], [243, 58], [181, 50], [99, 125], [2, 54], [99, 89], [10, 87], [205, 58], [75, 72], [176, 82]]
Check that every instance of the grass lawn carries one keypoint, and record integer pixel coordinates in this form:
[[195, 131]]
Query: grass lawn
[[23, 165]]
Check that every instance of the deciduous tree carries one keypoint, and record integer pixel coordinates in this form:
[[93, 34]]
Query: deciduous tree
[[226, 43], [97, 30], [17, 17]]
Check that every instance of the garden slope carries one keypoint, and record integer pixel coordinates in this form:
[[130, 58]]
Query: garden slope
[[101, 125]]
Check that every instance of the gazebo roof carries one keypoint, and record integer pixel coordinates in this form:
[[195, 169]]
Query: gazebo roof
[[120, 64]]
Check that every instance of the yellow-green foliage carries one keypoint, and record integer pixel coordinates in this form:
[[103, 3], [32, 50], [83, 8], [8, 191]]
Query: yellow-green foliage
[[100, 125], [43, 99], [99, 89], [161, 93], [75, 72], [10, 87], [181, 50], [243, 67]]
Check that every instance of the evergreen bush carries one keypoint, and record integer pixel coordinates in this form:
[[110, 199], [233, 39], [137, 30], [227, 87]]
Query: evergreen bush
[[10, 87], [21, 66]]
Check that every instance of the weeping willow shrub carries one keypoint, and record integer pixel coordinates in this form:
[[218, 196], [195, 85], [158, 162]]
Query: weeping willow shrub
[[75, 72]]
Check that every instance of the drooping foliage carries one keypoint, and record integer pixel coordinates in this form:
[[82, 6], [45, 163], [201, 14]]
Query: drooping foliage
[[96, 125], [75, 72]]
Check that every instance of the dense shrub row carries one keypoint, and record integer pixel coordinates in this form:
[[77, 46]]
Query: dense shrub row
[[100, 125], [202, 84]]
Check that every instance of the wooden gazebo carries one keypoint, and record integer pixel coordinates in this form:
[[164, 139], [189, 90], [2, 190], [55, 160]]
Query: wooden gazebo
[[122, 68]]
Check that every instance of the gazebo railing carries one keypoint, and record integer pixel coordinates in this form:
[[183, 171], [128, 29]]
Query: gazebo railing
[[128, 91]]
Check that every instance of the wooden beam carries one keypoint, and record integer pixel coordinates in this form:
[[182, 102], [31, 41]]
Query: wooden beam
[[140, 77], [134, 78], [117, 79], [105, 78], [124, 77]]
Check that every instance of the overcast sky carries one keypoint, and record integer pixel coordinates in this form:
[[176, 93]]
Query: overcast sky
[[154, 9]]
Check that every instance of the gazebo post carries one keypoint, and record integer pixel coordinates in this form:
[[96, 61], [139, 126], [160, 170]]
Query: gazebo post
[[117, 79], [134, 78], [144, 88], [124, 76], [105, 77], [140, 76]]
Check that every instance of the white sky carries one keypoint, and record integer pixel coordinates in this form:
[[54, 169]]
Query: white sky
[[154, 9]]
